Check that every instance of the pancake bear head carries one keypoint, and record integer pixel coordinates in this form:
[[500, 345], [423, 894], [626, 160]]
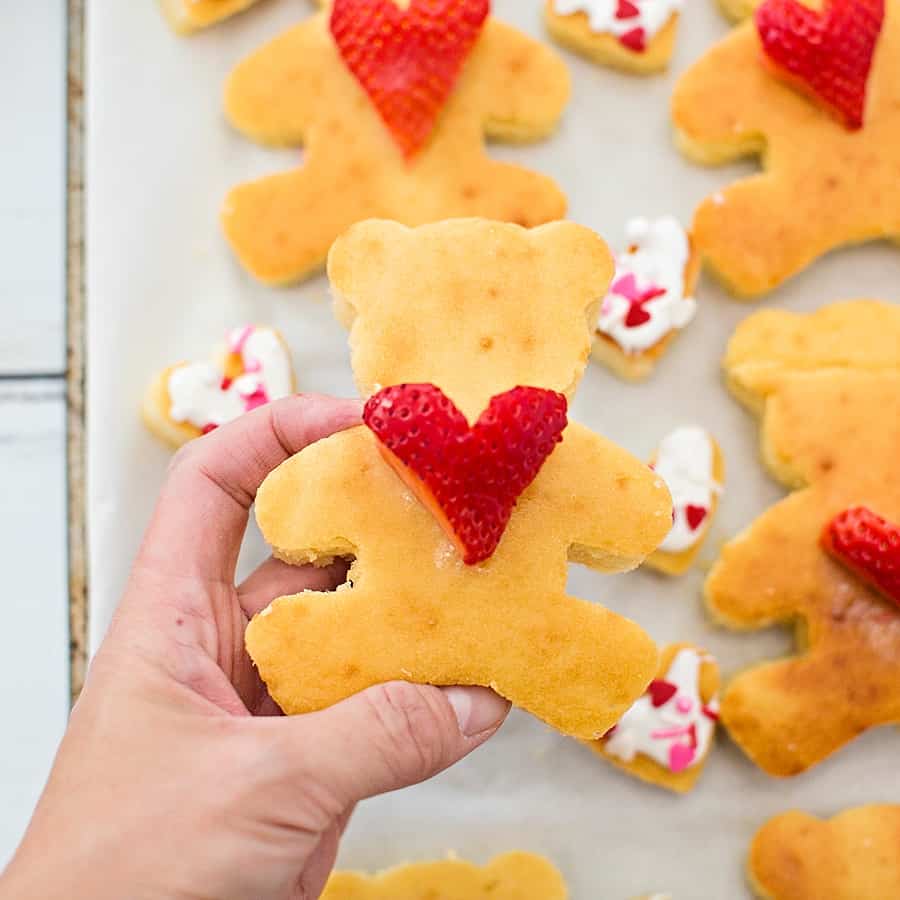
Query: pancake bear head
[[474, 306]]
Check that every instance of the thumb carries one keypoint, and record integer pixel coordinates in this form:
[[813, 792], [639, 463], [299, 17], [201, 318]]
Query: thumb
[[393, 735]]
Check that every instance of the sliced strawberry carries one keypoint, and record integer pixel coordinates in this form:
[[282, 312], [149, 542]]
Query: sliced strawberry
[[826, 54], [869, 546], [407, 60], [469, 477]]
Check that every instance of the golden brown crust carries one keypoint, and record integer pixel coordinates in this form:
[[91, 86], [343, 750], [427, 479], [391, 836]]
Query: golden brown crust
[[574, 31], [296, 90], [830, 430], [513, 876], [518, 305], [822, 186], [850, 857]]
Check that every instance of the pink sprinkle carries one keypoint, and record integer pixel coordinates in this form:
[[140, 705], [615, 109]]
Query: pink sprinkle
[[258, 398], [680, 757], [684, 705], [665, 733], [237, 339]]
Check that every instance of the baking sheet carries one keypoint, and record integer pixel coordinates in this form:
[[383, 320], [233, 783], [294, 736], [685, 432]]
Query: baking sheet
[[162, 285]]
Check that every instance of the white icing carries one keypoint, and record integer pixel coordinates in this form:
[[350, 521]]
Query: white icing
[[655, 261], [684, 461], [676, 734], [652, 15], [196, 393]]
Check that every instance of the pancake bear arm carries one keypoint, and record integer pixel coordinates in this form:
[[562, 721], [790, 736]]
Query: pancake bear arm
[[524, 86], [270, 95]]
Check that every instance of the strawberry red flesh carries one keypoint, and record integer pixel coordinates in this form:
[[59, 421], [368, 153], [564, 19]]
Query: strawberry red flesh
[[826, 54], [407, 60], [867, 545], [469, 476]]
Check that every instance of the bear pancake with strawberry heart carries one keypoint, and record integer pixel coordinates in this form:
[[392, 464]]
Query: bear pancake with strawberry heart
[[391, 127], [827, 388], [465, 497], [512, 876], [850, 857], [817, 95]]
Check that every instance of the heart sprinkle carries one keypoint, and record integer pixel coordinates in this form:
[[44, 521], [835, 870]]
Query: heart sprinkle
[[695, 515], [661, 692]]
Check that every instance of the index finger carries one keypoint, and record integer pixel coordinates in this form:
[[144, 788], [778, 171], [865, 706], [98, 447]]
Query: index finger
[[200, 517]]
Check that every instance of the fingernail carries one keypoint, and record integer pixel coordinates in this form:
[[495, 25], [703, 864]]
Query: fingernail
[[477, 709]]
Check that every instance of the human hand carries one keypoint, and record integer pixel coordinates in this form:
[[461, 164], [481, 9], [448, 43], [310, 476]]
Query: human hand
[[177, 778]]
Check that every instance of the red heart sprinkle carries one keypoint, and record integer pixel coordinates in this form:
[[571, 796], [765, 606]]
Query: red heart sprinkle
[[407, 60], [468, 476], [695, 515], [827, 53], [661, 692], [635, 40], [626, 10]]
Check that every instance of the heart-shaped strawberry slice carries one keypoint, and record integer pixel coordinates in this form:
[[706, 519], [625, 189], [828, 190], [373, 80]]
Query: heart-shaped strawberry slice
[[695, 515], [661, 692], [407, 60], [470, 477], [626, 10], [827, 54], [869, 546]]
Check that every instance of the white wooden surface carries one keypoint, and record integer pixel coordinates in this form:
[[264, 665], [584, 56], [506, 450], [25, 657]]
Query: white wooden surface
[[34, 662], [32, 185]]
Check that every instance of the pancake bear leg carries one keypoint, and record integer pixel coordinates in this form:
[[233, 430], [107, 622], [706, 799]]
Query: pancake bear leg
[[569, 662]]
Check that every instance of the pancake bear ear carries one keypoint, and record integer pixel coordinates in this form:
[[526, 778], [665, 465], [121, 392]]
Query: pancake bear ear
[[474, 306], [580, 261], [357, 262]]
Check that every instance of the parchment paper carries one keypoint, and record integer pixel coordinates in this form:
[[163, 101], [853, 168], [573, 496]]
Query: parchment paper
[[162, 285]]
